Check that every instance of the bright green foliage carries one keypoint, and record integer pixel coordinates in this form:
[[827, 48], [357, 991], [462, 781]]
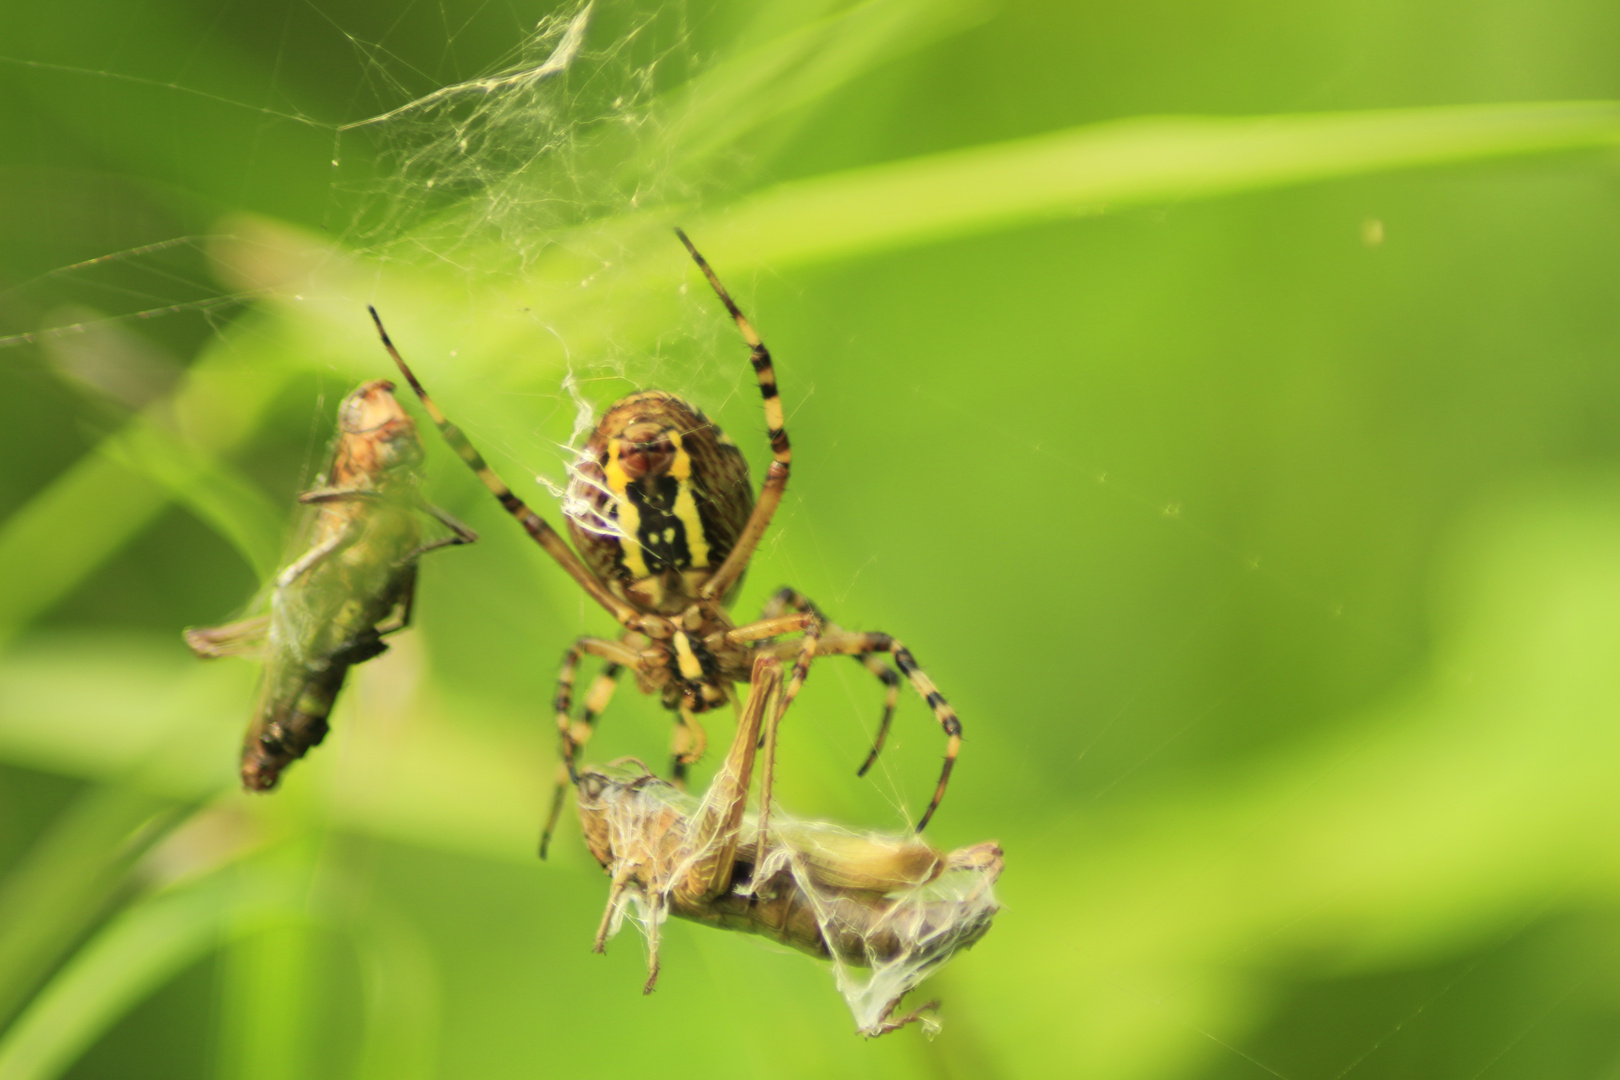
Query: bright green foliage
[[1222, 401]]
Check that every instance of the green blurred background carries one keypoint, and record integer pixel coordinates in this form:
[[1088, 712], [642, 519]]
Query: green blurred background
[[1220, 399]]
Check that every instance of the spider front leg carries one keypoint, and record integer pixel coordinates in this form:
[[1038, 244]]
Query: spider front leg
[[845, 643], [619, 655], [537, 527], [776, 476], [790, 599]]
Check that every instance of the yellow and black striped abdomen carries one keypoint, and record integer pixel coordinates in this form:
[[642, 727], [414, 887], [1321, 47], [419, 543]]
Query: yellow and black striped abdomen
[[659, 497]]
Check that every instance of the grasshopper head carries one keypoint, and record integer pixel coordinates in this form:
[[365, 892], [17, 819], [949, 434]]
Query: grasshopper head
[[375, 436]]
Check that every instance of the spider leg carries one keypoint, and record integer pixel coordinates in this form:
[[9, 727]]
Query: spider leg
[[596, 700], [801, 664], [891, 697], [616, 653], [536, 526], [808, 623], [559, 791], [776, 477], [763, 630], [790, 599], [853, 644]]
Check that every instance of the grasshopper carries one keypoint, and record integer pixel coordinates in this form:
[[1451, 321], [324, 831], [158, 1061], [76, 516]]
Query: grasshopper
[[354, 584], [897, 907]]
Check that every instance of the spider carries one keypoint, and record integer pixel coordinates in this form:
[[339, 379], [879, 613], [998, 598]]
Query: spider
[[667, 525]]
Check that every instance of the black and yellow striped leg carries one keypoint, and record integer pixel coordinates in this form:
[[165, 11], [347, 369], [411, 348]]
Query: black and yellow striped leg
[[616, 653], [891, 697], [808, 623], [596, 701], [559, 792], [808, 646], [790, 599], [537, 527], [845, 643], [776, 477]]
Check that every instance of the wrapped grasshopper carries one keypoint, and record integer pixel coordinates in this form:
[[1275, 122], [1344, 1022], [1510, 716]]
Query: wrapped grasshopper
[[886, 911], [352, 586]]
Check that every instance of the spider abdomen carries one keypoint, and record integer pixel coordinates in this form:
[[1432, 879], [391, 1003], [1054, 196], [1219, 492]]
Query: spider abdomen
[[658, 497]]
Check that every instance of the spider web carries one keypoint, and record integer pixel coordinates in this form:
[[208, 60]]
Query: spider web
[[509, 161]]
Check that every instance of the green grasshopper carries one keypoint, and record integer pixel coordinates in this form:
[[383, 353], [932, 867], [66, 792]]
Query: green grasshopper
[[353, 586], [897, 907]]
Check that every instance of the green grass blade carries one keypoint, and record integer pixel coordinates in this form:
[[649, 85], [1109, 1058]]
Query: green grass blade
[[739, 97], [133, 712], [102, 501], [68, 879], [402, 998], [218, 494], [1149, 160], [137, 953], [68, 530], [269, 989]]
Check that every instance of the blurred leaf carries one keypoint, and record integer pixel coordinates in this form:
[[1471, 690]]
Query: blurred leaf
[[633, 269], [269, 992], [414, 775], [400, 985], [1100, 167], [134, 955], [219, 495], [1448, 817], [136, 713], [735, 98], [68, 530], [69, 878], [93, 510]]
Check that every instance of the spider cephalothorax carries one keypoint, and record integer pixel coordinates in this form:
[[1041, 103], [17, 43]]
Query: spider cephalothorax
[[665, 520]]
